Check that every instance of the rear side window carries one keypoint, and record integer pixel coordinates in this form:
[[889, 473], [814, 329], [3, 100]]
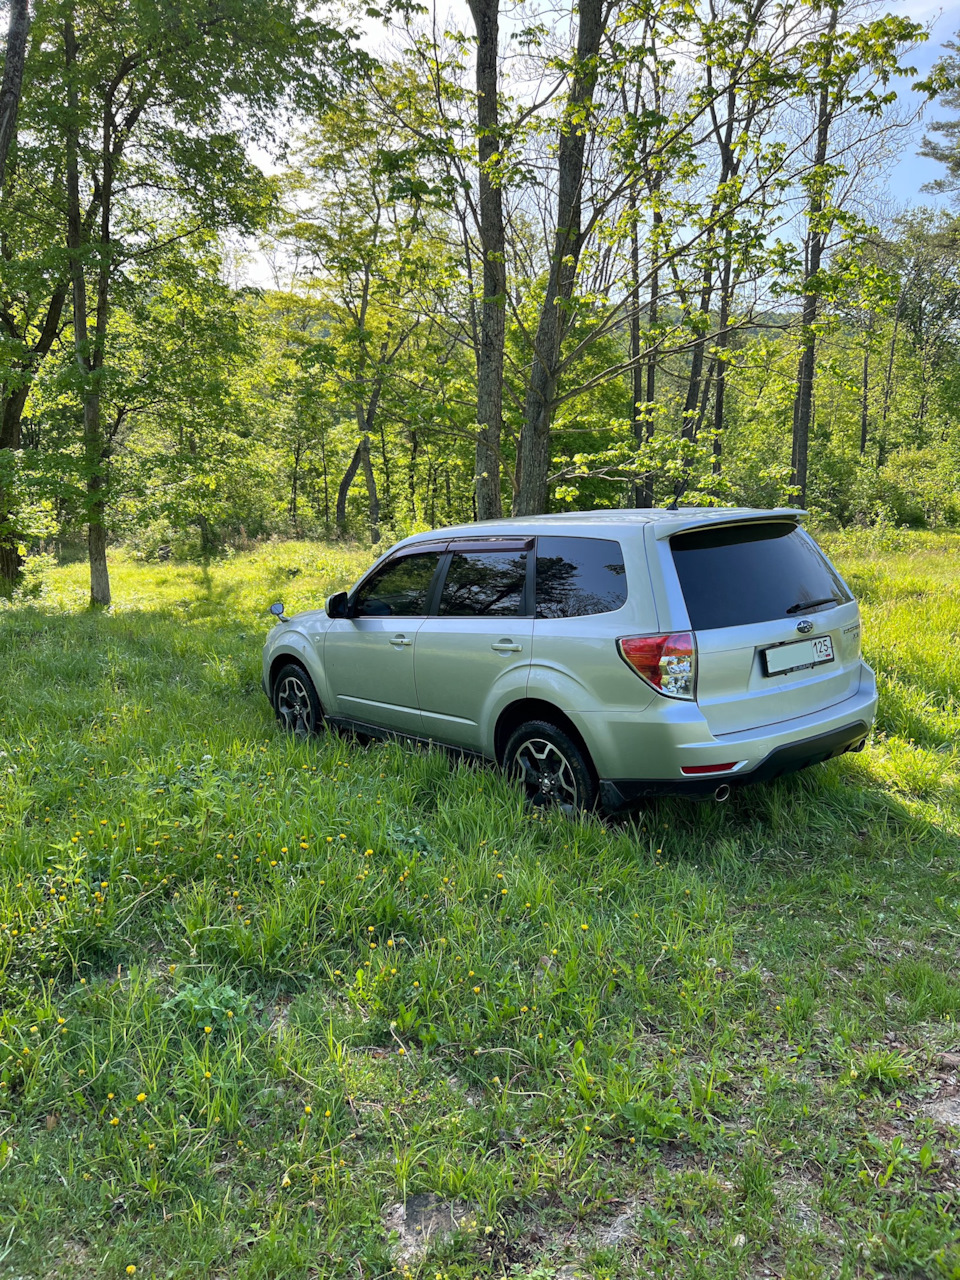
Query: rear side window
[[579, 576], [752, 573], [399, 590], [484, 584]]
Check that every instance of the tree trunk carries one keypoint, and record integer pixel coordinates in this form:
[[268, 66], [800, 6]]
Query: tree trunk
[[412, 472], [87, 359], [534, 452], [17, 33], [815, 242], [373, 497], [11, 562], [326, 485], [294, 485], [344, 489], [493, 309], [645, 490], [637, 415], [689, 427], [864, 389], [720, 364]]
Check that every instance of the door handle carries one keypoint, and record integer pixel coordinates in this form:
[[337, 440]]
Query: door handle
[[399, 641], [506, 646]]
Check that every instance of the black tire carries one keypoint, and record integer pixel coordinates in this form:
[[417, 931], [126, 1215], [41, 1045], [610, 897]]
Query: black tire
[[295, 701], [554, 771]]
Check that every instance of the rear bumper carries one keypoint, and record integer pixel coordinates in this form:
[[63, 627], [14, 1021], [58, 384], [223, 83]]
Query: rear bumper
[[622, 793]]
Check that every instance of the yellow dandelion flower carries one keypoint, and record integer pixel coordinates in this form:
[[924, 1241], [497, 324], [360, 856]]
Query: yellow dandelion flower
[[141, 1097]]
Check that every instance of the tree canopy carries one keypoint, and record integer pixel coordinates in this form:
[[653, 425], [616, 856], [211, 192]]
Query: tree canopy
[[265, 274]]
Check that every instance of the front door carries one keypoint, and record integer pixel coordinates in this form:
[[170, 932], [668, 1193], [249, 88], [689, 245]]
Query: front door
[[368, 657]]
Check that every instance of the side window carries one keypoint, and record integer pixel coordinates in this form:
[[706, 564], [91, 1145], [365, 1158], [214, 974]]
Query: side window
[[484, 584], [399, 590], [579, 576]]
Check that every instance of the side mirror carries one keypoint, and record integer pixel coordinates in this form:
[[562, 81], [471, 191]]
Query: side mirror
[[277, 609], [336, 606]]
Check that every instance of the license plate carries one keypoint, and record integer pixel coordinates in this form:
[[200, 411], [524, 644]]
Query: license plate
[[799, 654]]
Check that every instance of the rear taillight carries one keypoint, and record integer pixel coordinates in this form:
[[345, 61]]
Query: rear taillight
[[668, 662]]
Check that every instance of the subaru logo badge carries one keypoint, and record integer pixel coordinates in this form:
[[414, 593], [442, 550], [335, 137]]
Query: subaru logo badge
[[804, 626]]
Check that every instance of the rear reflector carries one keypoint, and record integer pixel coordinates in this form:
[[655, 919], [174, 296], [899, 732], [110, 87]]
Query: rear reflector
[[709, 768], [668, 662]]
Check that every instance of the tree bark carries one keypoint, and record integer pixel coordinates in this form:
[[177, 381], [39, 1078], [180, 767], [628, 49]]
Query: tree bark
[[373, 498], [815, 242], [412, 472], [89, 349], [534, 452], [720, 364], [344, 489], [10, 87], [644, 494], [637, 415], [493, 308], [12, 82], [864, 389]]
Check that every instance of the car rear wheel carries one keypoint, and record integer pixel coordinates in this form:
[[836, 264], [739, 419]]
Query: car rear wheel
[[296, 702], [554, 771]]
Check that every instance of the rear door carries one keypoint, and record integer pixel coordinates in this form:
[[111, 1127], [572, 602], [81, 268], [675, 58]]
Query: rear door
[[777, 630], [581, 591], [480, 636]]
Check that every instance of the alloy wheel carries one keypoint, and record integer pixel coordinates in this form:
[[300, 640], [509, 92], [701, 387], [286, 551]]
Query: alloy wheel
[[547, 775], [293, 707]]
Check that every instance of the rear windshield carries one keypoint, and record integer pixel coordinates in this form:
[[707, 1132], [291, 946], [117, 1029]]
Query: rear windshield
[[752, 573]]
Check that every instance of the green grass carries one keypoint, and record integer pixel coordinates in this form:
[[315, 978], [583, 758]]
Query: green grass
[[253, 991]]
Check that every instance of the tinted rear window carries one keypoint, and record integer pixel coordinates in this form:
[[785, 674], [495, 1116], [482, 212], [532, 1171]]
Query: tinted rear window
[[579, 576], [752, 573], [484, 584]]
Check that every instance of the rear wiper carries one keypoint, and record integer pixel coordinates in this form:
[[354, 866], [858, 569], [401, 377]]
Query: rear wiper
[[811, 604]]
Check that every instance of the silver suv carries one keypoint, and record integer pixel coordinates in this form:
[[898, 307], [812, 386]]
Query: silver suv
[[601, 657]]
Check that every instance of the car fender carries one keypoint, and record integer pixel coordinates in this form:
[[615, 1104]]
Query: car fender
[[510, 686], [296, 644]]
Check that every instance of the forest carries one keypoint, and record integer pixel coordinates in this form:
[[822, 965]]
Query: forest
[[273, 268]]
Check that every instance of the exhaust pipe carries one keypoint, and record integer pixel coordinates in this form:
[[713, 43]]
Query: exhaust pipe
[[722, 793], [857, 746]]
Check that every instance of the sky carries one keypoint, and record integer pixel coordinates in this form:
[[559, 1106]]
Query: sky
[[912, 170]]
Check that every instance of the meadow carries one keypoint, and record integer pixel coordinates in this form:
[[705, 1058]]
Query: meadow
[[255, 993]]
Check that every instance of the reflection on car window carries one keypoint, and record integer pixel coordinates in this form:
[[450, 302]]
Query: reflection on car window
[[399, 590], [486, 584], [579, 576]]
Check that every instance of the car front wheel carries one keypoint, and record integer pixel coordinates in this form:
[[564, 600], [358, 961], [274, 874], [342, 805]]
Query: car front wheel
[[553, 770], [296, 702]]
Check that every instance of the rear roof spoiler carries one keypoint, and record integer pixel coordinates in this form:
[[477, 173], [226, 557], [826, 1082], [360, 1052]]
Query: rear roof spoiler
[[700, 519]]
